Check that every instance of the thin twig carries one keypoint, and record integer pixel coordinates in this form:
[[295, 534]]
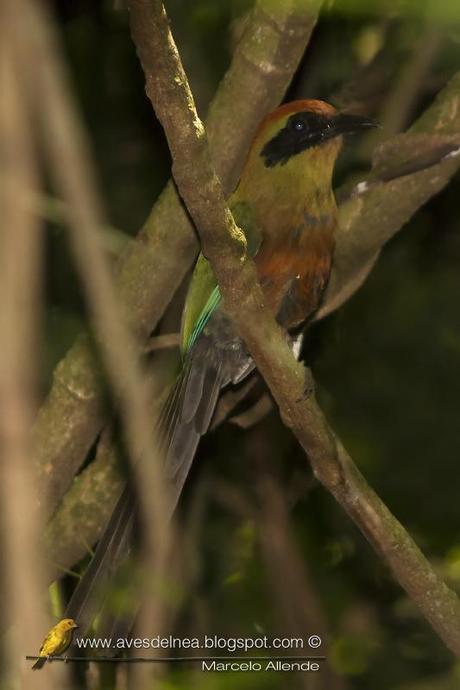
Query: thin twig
[[251, 417], [163, 342], [67, 151], [296, 598], [20, 308]]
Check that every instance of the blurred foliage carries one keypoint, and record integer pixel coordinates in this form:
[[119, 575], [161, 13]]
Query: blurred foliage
[[387, 365]]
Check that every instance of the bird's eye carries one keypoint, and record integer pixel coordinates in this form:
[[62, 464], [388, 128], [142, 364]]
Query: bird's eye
[[299, 125]]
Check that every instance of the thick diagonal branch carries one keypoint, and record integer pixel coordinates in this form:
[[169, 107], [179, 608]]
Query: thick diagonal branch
[[200, 188]]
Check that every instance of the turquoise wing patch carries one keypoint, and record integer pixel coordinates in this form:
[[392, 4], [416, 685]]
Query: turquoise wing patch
[[212, 304], [202, 298], [204, 295]]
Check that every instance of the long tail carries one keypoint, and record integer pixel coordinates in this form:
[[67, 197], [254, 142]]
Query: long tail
[[113, 548], [185, 417], [39, 663]]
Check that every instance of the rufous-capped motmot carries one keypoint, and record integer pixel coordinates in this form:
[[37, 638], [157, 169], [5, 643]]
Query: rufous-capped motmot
[[285, 205]]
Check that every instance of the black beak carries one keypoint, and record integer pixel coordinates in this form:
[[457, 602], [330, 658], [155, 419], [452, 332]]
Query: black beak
[[346, 123]]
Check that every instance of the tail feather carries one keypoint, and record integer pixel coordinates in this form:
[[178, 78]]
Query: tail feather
[[192, 393], [212, 383], [171, 408], [184, 418], [112, 549], [194, 416], [39, 663]]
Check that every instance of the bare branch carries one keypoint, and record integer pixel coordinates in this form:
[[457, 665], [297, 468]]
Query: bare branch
[[296, 599], [66, 149], [163, 342], [288, 381], [20, 307], [256, 412], [408, 171]]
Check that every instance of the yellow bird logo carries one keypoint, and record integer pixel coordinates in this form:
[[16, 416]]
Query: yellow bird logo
[[56, 642]]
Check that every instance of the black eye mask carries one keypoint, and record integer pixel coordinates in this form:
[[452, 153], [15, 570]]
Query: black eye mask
[[307, 129]]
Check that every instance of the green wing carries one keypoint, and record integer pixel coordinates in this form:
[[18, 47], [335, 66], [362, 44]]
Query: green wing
[[204, 296]]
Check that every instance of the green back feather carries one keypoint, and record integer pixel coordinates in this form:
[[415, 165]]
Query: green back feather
[[204, 296]]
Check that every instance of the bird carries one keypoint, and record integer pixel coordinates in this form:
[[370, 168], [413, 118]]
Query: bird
[[285, 205], [56, 642]]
